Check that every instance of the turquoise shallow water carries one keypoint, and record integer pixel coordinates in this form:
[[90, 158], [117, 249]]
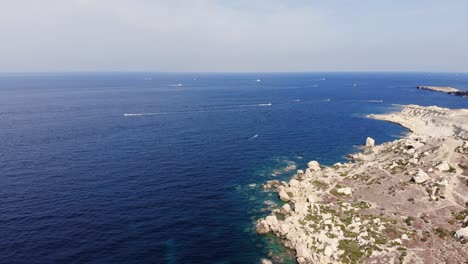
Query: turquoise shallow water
[[178, 179]]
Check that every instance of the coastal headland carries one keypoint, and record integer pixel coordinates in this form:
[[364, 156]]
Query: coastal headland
[[404, 201], [445, 89]]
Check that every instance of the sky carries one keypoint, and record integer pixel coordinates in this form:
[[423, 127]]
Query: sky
[[233, 35]]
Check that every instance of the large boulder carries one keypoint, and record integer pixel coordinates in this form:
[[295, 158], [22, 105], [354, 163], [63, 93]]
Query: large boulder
[[420, 177], [462, 233], [272, 221], [284, 196], [345, 190], [314, 165], [262, 226], [370, 142], [443, 166], [285, 209], [266, 261]]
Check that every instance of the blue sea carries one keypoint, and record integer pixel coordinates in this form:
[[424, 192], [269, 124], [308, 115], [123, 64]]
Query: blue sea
[[168, 168]]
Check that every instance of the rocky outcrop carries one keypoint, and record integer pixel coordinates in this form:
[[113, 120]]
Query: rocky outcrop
[[370, 142], [448, 90], [371, 211], [420, 177], [313, 166], [443, 166], [462, 233]]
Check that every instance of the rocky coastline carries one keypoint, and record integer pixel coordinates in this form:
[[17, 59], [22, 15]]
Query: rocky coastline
[[443, 89], [404, 201]]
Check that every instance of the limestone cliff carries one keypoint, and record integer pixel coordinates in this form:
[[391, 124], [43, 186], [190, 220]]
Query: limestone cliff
[[398, 202]]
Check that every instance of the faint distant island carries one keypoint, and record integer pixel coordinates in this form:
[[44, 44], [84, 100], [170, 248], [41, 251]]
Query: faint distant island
[[445, 89]]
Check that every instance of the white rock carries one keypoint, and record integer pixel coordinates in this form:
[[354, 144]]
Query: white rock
[[337, 164], [462, 233], [426, 153], [443, 166], [284, 195], [262, 226], [370, 142], [300, 172], [413, 161], [285, 209], [314, 165], [272, 222], [345, 190], [430, 170], [404, 237], [420, 177], [443, 182], [328, 251]]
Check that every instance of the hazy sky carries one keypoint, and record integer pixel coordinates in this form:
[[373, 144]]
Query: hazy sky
[[233, 35]]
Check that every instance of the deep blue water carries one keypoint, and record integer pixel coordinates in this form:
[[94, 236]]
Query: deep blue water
[[82, 183]]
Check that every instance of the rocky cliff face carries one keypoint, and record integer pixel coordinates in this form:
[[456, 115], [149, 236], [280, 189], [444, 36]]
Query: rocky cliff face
[[400, 202], [431, 121]]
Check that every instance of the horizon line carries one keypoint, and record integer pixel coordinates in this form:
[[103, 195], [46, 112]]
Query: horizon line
[[220, 72]]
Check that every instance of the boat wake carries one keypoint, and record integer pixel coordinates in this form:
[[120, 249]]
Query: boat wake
[[144, 114], [215, 109], [255, 136]]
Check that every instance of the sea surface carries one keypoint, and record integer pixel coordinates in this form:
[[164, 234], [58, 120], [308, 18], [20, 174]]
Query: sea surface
[[168, 168]]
